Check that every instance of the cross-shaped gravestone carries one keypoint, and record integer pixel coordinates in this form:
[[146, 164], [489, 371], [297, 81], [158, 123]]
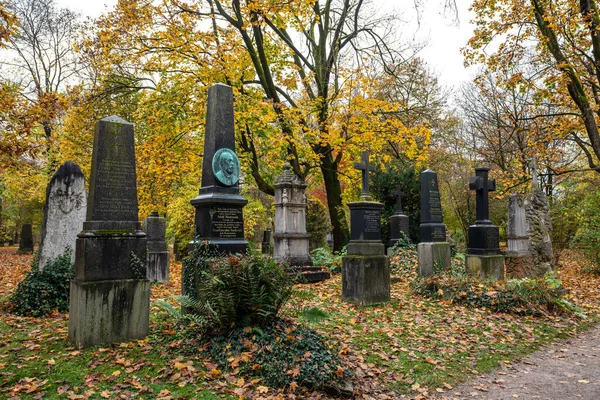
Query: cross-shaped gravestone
[[399, 193], [482, 185], [365, 167]]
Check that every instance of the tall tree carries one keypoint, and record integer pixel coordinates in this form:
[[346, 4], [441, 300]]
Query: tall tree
[[40, 58], [560, 40]]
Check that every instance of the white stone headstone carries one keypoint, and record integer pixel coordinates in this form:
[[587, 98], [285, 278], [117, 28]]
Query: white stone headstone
[[64, 212]]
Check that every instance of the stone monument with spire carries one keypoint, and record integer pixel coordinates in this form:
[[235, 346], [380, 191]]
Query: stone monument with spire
[[365, 269]]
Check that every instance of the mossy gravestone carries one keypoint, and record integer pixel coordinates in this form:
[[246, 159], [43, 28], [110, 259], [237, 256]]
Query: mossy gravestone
[[110, 295], [64, 213]]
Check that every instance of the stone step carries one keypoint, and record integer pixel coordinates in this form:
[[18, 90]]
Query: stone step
[[311, 274]]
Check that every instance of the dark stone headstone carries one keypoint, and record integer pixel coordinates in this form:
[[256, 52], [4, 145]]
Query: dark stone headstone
[[399, 222], [26, 240], [484, 237], [219, 219], [158, 255], [267, 247], [64, 213], [432, 226], [110, 295], [365, 270]]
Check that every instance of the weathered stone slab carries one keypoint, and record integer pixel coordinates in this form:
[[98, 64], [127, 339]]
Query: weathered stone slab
[[518, 227], [433, 257], [488, 267], [158, 255], [64, 213], [366, 279], [104, 312]]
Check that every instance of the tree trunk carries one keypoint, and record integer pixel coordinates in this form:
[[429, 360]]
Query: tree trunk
[[341, 233]]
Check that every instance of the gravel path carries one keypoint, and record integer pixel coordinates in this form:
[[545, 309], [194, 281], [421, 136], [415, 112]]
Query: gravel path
[[569, 369]]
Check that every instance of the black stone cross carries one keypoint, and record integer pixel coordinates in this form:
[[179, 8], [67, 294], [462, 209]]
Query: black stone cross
[[482, 185], [399, 193], [365, 167]]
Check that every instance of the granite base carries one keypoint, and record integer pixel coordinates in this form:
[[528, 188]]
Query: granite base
[[366, 279], [485, 267], [105, 312], [433, 257]]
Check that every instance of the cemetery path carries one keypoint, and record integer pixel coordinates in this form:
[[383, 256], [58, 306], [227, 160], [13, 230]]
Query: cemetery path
[[569, 369]]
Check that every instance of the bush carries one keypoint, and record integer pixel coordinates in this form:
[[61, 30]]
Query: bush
[[233, 291], [43, 291], [317, 223], [279, 354], [325, 258], [518, 296]]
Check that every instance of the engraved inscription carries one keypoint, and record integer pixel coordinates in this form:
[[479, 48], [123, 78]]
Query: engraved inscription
[[372, 221], [438, 234], [491, 239], [227, 223], [114, 183], [435, 206]]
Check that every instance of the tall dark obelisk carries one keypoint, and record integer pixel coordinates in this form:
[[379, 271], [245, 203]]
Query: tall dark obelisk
[[219, 219]]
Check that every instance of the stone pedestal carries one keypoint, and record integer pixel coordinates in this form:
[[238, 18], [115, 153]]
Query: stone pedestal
[[104, 312], [366, 279], [488, 267], [484, 240], [433, 257], [365, 270], [399, 223]]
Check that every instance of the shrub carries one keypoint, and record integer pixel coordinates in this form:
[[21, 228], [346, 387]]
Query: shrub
[[324, 257], [519, 296], [233, 291], [43, 291], [317, 223], [279, 354]]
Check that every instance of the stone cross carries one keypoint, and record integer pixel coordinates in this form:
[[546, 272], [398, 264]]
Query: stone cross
[[365, 167], [399, 193], [482, 185]]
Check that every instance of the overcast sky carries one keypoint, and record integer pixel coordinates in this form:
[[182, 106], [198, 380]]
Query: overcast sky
[[445, 39]]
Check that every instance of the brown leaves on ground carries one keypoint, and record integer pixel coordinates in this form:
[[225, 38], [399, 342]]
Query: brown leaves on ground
[[413, 345]]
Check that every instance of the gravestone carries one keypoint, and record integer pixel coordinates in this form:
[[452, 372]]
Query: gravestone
[[540, 226], [518, 260], [433, 252], [158, 255], [365, 268], [219, 219], [64, 213], [483, 257], [26, 240], [110, 295], [266, 246], [290, 236], [399, 224], [291, 240]]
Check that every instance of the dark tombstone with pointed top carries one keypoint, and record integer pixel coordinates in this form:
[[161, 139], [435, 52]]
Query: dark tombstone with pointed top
[[433, 250], [399, 222], [483, 254], [26, 240], [110, 295], [219, 219], [158, 256], [366, 269]]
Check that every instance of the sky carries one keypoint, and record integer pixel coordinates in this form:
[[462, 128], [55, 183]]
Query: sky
[[445, 38]]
